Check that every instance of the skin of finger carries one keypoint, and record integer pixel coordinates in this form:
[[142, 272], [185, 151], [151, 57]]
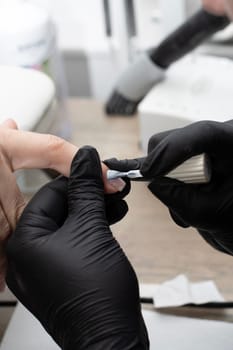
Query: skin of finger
[[229, 8], [216, 7], [27, 150], [5, 227], [24, 149], [11, 206], [4, 233], [11, 199], [108, 188], [10, 123]]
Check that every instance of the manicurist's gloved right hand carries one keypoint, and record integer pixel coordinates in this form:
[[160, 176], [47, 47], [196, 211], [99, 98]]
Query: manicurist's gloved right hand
[[66, 267], [207, 207]]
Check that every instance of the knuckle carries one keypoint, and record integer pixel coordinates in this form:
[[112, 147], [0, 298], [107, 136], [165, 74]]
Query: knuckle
[[54, 142], [54, 146], [207, 125]]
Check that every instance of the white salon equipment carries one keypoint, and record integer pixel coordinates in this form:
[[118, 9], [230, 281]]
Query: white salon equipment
[[27, 35], [28, 38], [28, 97], [198, 87]]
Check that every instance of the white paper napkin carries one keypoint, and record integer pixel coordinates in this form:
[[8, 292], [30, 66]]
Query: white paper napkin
[[180, 291]]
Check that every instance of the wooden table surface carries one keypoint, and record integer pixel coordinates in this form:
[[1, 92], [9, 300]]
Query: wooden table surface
[[157, 248]]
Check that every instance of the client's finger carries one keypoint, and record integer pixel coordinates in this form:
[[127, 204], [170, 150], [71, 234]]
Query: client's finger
[[28, 150], [10, 123], [11, 200], [111, 186], [33, 150], [11, 206]]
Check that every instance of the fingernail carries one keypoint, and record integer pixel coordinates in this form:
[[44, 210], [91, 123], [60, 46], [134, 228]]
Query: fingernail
[[118, 184]]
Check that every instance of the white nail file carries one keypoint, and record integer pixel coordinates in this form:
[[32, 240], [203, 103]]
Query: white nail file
[[194, 170]]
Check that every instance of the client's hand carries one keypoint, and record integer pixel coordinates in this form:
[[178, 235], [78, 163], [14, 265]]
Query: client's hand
[[219, 7], [11, 203], [66, 267], [216, 7], [30, 150], [23, 150]]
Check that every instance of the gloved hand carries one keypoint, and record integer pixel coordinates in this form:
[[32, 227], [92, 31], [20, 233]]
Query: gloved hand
[[124, 164], [207, 207], [136, 163], [66, 267]]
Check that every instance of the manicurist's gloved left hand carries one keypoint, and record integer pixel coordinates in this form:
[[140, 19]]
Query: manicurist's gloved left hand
[[29, 150], [66, 267]]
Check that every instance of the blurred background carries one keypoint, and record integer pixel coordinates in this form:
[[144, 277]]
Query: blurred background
[[96, 39]]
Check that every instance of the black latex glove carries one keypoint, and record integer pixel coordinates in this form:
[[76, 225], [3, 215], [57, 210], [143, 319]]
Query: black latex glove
[[116, 208], [136, 163], [207, 207], [124, 165], [66, 267]]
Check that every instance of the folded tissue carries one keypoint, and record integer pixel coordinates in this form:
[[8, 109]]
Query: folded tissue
[[180, 291]]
